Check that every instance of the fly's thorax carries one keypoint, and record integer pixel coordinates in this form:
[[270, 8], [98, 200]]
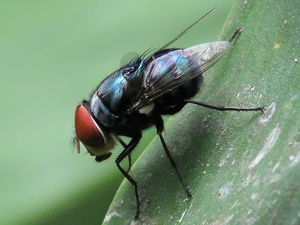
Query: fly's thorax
[[118, 91], [111, 92], [103, 114]]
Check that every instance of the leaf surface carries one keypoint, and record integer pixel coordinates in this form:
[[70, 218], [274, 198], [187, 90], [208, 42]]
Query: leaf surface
[[242, 167]]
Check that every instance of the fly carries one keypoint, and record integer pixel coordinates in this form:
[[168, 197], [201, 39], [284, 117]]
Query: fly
[[136, 96]]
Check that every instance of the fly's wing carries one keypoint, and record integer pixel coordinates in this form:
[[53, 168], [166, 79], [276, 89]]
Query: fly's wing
[[175, 68]]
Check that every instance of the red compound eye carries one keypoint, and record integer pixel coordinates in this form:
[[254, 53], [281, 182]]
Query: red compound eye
[[87, 130]]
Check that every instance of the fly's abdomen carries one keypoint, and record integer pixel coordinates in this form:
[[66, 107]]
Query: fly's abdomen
[[173, 101], [173, 75]]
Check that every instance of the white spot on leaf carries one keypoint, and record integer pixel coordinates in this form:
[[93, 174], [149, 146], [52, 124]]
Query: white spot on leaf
[[181, 218], [225, 190], [275, 167], [269, 143], [254, 196], [234, 204], [111, 215], [294, 159]]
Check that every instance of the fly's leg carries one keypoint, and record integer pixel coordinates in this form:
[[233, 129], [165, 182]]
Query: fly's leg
[[126, 152], [239, 30], [129, 155], [160, 127], [224, 108], [129, 163]]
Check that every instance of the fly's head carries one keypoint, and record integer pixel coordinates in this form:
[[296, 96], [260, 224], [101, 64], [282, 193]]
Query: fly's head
[[97, 141]]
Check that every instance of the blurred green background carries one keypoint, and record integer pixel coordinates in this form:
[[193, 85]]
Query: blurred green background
[[53, 54]]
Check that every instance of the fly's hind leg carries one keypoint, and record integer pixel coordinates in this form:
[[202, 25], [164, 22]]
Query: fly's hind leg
[[224, 108]]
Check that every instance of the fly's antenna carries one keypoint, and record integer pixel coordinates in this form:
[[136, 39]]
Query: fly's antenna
[[239, 30], [185, 30]]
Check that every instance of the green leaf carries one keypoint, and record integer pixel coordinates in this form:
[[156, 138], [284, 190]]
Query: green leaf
[[242, 167]]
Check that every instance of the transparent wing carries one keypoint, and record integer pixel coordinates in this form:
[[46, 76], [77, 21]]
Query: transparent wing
[[175, 68]]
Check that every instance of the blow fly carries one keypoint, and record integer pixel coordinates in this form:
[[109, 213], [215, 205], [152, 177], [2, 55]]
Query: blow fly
[[135, 97]]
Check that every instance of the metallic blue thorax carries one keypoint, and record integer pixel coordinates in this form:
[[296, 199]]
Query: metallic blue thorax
[[115, 89], [115, 94]]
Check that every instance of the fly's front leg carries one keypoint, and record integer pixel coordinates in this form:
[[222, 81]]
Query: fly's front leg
[[224, 108], [160, 127], [129, 155], [126, 152]]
